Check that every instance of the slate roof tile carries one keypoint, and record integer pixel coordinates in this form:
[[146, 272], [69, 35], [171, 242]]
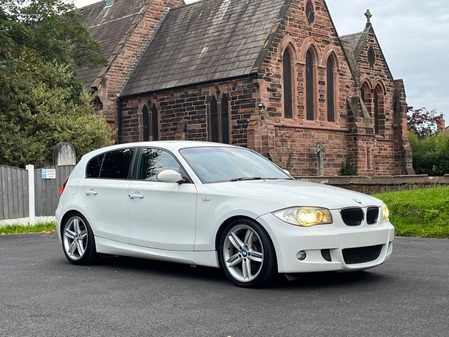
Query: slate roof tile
[[110, 27], [206, 41]]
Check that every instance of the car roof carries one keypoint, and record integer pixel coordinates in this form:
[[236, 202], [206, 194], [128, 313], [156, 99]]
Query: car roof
[[171, 145]]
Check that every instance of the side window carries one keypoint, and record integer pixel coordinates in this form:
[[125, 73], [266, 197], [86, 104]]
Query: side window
[[154, 161], [94, 166], [111, 165]]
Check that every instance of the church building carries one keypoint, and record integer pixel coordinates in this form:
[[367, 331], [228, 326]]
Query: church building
[[270, 75]]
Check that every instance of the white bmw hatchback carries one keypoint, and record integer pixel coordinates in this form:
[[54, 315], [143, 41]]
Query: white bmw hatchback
[[216, 205]]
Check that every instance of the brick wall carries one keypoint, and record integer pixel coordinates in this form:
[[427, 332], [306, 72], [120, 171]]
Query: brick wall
[[183, 113]]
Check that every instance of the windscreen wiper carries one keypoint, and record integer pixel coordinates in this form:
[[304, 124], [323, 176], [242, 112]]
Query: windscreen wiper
[[246, 178]]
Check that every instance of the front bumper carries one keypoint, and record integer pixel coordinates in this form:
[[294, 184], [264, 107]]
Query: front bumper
[[334, 247]]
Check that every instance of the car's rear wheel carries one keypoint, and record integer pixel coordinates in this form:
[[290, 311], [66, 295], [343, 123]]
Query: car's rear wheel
[[247, 254], [78, 240]]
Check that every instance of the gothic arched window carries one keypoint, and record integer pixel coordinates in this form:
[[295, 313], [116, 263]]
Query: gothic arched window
[[379, 110], [287, 83], [376, 112], [219, 120], [310, 86], [154, 123], [214, 120], [225, 120], [150, 121], [330, 89], [146, 123]]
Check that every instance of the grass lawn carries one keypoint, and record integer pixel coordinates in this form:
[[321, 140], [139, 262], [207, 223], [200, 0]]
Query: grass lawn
[[24, 229], [418, 213]]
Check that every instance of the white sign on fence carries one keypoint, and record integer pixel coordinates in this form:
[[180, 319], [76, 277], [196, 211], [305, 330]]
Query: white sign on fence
[[48, 173]]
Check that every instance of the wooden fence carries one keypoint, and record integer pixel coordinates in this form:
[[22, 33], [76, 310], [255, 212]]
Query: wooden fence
[[14, 196]]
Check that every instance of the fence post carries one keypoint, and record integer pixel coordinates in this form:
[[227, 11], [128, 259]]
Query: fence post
[[31, 198]]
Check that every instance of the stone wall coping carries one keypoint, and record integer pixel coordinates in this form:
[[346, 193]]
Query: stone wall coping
[[421, 179]]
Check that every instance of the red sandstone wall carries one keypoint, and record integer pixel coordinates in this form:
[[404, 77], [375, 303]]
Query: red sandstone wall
[[289, 142]]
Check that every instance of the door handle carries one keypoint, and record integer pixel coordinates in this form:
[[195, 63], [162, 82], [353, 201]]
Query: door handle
[[91, 192], [136, 195]]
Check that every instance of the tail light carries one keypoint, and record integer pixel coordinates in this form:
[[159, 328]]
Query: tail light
[[62, 188]]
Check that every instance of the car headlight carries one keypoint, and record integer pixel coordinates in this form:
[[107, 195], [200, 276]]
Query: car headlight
[[385, 212], [304, 216]]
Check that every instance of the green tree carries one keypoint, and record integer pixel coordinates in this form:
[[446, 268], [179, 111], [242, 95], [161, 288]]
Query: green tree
[[41, 103], [43, 112], [52, 28]]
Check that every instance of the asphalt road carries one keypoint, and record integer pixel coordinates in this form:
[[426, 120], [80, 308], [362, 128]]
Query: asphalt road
[[43, 295]]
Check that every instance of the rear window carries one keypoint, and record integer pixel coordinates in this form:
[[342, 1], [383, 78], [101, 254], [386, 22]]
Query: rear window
[[110, 165]]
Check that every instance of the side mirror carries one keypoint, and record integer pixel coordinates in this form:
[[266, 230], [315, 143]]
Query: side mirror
[[169, 176]]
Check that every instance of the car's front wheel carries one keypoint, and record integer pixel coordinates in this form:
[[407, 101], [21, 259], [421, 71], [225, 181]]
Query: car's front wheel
[[78, 240], [247, 254]]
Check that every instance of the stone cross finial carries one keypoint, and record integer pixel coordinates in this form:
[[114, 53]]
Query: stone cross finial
[[368, 16]]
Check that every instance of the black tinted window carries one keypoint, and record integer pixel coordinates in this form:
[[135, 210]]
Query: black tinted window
[[111, 165], [116, 164], [154, 161], [93, 166]]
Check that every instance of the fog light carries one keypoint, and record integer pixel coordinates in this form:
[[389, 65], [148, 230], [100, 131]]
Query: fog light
[[301, 255]]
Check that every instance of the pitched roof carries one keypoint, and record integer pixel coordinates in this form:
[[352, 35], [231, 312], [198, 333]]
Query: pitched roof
[[350, 45], [207, 41], [353, 46], [109, 26]]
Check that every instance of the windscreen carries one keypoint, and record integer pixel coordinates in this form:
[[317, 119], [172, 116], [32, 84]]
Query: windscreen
[[221, 164]]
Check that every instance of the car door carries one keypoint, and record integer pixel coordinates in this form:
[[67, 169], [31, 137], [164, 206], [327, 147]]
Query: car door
[[161, 214], [106, 194]]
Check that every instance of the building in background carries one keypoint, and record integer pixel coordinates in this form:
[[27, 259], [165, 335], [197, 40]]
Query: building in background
[[271, 75]]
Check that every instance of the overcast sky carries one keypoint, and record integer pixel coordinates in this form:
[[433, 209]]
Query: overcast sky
[[414, 37]]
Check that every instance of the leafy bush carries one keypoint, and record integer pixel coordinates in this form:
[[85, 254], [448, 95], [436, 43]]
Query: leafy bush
[[430, 154], [347, 169]]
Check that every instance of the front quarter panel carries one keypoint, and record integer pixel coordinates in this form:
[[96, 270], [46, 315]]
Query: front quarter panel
[[213, 209]]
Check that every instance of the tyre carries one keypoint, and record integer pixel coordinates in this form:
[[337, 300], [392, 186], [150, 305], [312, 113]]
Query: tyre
[[78, 240], [246, 254]]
